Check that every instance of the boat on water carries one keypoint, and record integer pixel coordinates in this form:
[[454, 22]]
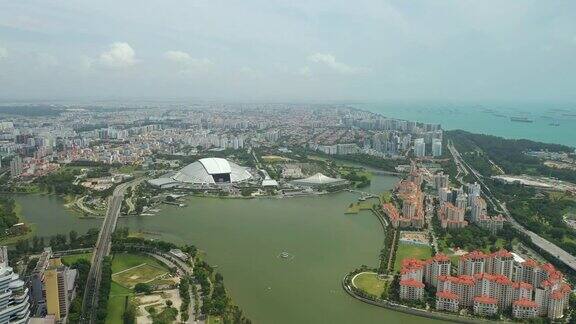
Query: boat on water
[[521, 119], [554, 124]]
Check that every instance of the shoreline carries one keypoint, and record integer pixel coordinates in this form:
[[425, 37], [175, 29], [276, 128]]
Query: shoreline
[[410, 310]]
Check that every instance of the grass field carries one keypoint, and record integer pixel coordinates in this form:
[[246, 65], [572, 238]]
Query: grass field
[[69, 259], [214, 320], [130, 269], [411, 251], [370, 283], [147, 268], [142, 273], [116, 303], [356, 207], [126, 261], [274, 158], [127, 169], [386, 197]]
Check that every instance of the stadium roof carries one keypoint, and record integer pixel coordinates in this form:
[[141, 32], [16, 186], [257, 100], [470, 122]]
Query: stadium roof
[[211, 171], [318, 179], [216, 165]]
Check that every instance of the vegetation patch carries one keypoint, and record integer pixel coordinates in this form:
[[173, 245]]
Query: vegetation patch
[[355, 208], [142, 273], [131, 269], [274, 158], [72, 258], [117, 302], [214, 320], [415, 251], [371, 283]]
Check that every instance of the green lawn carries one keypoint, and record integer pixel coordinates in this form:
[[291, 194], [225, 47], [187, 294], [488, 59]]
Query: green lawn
[[386, 197], [116, 303], [167, 315], [361, 205], [370, 283], [118, 292], [214, 320], [69, 259], [415, 251], [142, 273], [127, 169], [125, 261]]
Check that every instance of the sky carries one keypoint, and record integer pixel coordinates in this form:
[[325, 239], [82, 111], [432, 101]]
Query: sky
[[283, 50]]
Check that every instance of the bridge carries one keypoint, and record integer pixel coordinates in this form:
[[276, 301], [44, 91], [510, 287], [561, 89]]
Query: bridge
[[102, 250]]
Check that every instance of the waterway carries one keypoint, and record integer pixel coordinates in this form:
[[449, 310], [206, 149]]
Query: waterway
[[49, 216], [244, 237], [492, 119]]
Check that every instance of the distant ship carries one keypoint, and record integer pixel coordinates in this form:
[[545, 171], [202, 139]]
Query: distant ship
[[554, 124], [521, 119]]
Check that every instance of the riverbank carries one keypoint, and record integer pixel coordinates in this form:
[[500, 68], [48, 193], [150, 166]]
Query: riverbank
[[347, 286], [31, 228]]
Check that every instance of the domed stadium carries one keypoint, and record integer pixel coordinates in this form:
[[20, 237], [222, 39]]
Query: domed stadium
[[212, 171]]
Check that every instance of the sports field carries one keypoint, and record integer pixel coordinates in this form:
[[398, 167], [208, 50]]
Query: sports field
[[131, 269], [127, 271], [415, 251]]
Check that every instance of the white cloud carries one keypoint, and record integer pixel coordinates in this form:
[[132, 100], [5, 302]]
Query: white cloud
[[305, 72], [330, 61], [3, 53], [250, 72], [186, 60], [48, 60], [120, 55]]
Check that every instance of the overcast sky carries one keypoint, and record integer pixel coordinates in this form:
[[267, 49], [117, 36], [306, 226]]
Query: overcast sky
[[514, 50]]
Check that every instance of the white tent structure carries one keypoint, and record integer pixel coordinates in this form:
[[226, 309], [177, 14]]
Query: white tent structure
[[318, 180]]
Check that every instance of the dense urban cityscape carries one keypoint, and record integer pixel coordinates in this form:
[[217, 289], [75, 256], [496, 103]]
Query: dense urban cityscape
[[450, 251], [272, 161]]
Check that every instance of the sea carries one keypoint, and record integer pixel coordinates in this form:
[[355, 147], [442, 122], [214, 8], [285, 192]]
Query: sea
[[549, 123]]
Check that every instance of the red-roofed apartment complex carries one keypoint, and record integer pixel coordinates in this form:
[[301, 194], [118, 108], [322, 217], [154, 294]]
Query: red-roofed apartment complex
[[487, 283], [412, 206]]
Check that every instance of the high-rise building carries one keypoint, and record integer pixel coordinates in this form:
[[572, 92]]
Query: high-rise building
[[488, 283], [58, 285], [451, 216], [16, 166], [462, 200], [14, 305], [436, 147], [478, 209], [419, 147], [441, 180]]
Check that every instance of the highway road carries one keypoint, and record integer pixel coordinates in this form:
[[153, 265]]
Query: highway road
[[546, 245], [101, 250]]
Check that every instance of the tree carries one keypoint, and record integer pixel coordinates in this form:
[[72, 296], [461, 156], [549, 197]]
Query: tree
[[73, 235], [143, 288]]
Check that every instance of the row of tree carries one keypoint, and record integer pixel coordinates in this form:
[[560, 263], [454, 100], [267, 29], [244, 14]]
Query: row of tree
[[509, 154], [8, 217]]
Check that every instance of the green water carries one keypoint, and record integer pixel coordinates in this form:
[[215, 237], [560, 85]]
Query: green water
[[243, 238], [49, 216]]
